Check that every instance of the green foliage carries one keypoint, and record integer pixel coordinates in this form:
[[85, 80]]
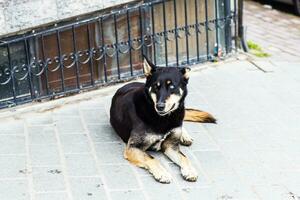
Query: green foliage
[[256, 50]]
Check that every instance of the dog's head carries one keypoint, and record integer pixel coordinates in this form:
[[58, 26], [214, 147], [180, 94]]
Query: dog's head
[[166, 86]]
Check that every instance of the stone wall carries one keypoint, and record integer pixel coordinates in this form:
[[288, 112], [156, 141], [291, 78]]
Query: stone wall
[[18, 15]]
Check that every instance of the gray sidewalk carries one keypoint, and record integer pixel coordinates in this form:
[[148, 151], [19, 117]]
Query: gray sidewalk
[[71, 152]]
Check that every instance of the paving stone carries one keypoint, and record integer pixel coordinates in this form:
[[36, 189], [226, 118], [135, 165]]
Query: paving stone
[[12, 144], [41, 135], [199, 193], [251, 172], [44, 155], [103, 133], [14, 190], [75, 143], [119, 177], [38, 120], [91, 104], [275, 159], [288, 179], [52, 196], [13, 167], [76, 148], [193, 128], [157, 191], [229, 186], [81, 165], [68, 110], [212, 162], [127, 195], [94, 116], [110, 152], [244, 153], [201, 181], [47, 179], [68, 124], [202, 141], [275, 192], [12, 127], [87, 188]]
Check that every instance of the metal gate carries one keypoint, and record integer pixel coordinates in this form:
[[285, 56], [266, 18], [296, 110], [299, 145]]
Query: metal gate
[[107, 46]]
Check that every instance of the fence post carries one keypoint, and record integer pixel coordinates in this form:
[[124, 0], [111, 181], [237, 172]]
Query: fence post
[[228, 36], [241, 32]]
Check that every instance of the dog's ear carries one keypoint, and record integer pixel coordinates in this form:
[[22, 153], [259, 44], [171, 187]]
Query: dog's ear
[[185, 72], [149, 67]]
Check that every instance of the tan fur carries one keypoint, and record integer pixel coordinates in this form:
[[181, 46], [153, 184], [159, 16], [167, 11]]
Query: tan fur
[[187, 73], [147, 68], [143, 160], [185, 138], [171, 149], [194, 115]]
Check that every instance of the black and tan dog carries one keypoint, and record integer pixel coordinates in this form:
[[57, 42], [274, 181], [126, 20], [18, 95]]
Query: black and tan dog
[[149, 117]]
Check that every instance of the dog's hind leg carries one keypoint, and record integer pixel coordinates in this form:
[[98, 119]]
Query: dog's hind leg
[[170, 147], [141, 159], [185, 138]]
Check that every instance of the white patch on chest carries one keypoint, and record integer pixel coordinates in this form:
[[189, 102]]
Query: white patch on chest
[[156, 140]]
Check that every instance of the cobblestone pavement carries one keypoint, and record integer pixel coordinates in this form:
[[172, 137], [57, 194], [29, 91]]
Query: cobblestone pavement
[[71, 152], [276, 31]]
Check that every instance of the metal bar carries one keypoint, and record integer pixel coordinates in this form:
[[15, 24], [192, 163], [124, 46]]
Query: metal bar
[[217, 25], [60, 61], [45, 63], [186, 32], [141, 30], [12, 74], [97, 39], [165, 32], [206, 29], [176, 32], [76, 57], [227, 26], [241, 25], [196, 29], [116, 46], [235, 26], [91, 64], [104, 49], [153, 32], [29, 69], [129, 42]]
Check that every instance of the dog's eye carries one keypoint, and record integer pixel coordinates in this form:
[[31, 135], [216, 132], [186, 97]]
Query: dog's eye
[[172, 87]]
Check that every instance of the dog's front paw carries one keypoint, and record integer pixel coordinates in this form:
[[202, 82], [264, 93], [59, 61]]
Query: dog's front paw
[[189, 174], [162, 176], [185, 138]]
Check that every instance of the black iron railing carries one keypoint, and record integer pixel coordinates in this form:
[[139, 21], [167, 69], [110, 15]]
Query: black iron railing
[[107, 47]]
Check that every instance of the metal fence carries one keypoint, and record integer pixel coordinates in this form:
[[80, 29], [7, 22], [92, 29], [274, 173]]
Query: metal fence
[[107, 47]]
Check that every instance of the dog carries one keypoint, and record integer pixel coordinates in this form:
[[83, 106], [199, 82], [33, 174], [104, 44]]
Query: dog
[[149, 116]]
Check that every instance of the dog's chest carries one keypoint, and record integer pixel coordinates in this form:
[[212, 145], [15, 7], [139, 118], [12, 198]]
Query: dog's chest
[[155, 140]]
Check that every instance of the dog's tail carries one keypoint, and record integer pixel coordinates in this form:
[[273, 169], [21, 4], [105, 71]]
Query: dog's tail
[[194, 115]]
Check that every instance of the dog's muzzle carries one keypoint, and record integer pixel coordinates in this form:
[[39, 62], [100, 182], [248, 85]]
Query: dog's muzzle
[[160, 110], [160, 107]]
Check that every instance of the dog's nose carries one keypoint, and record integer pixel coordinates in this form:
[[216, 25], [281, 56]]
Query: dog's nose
[[160, 106]]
